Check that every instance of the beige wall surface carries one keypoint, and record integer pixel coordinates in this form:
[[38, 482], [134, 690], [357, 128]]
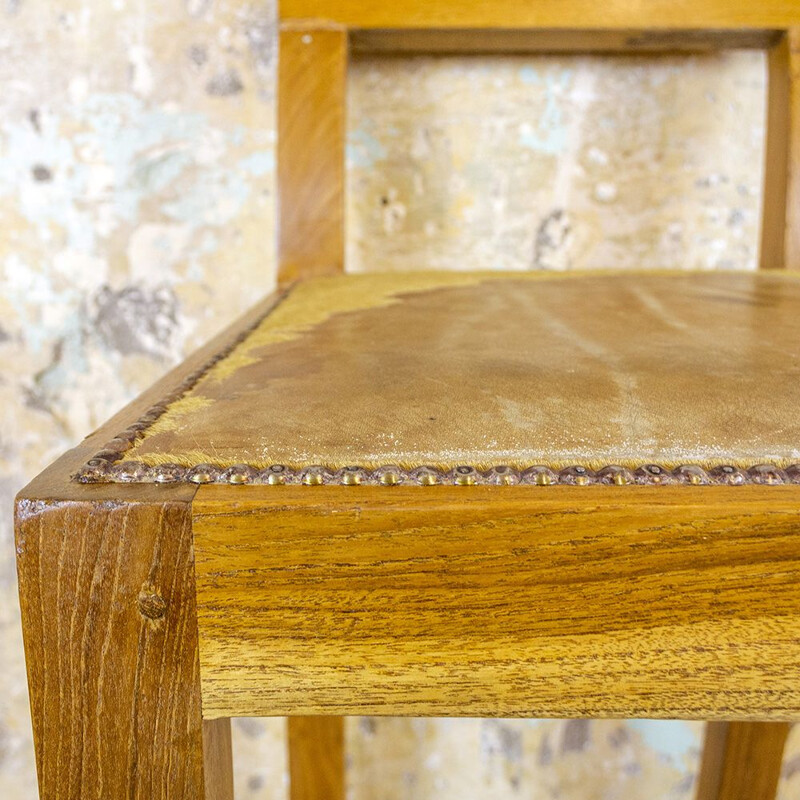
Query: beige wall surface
[[137, 205]]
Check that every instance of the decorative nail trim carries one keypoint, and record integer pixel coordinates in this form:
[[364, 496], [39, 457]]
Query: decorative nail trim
[[109, 465], [100, 470]]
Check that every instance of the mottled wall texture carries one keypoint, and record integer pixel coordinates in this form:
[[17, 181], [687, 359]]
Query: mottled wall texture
[[137, 203]]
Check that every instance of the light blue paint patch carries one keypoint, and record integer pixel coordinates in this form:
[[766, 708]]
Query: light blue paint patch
[[238, 135], [72, 357], [363, 149], [125, 153], [670, 738], [126, 133], [207, 244], [529, 75], [550, 134], [156, 174], [215, 199], [47, 204], [149, 148], [550, 142], [535, 723], [258, 164], [21, 282], [145, 150]]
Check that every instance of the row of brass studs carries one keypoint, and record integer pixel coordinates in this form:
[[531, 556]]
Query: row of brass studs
[[102, 469]]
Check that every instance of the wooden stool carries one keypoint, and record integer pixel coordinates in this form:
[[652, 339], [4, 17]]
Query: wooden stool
[[485, 494]]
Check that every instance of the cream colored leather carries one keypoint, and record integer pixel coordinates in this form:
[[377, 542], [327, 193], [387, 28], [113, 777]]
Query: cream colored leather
[[513, 369]]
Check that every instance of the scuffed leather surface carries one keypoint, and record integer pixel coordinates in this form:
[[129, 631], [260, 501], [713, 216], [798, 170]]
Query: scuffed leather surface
[[515, 369]]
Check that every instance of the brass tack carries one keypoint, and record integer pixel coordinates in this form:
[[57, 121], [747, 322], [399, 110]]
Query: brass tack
[[351, 477], [426, 476], [464, 476], [201, 476], [165, 476]]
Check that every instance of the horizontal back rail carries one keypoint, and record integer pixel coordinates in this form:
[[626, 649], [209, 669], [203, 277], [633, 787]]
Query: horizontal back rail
[[556, 40], [576, 14]]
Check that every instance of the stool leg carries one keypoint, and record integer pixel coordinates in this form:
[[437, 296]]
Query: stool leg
[[108, 611], [316, 758], [741, 760]]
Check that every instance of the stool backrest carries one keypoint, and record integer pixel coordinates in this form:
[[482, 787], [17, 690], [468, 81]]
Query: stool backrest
[[317, 37]]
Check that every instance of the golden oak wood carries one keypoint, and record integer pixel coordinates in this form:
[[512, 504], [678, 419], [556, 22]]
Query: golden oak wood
[[547, 13], [639, 601], [316, 758], [777, 154], [741, 761], [792, 240], [218, 759], [107, 597], [400, 41], [311, 131]]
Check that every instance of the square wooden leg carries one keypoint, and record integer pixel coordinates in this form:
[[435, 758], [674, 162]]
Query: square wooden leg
[[316, 758], [108, 609], [742, 760]]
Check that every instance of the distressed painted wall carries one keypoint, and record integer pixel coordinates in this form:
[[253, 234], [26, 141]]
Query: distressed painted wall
[[137, 218], [556, 162]]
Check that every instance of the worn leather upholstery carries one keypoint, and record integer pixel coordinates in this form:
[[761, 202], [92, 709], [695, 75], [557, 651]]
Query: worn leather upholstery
[[513, 369]]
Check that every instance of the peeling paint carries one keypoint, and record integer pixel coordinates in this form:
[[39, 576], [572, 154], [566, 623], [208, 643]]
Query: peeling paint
[[551, 249], [481, 152], [224, 84], [135, 320]]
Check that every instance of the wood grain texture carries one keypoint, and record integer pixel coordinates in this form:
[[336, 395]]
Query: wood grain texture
[[792, 236], [311, 131], [218, 759], [640, 602], [316, 758], [471, 41], [777, 150], [741, 760], [547, 13], [108, 609]]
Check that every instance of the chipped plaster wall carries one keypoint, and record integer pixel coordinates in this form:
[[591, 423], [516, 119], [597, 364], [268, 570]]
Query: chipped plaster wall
[[137, 218], [556, 162]]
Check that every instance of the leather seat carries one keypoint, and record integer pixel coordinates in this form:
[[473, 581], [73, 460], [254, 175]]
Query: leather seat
[[492, 377]]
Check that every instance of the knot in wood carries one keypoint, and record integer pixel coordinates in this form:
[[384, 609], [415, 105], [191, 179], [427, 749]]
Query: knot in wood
[[152, 605]]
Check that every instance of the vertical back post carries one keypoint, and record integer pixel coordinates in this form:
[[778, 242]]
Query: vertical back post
[[316, 758], [780, 224], [793, 161], [311, 141]]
